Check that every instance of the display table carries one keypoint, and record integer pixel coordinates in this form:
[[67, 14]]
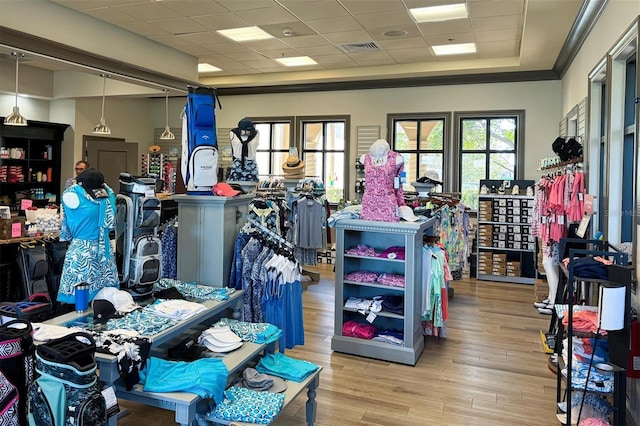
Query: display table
[[189, 408], [207, 233]]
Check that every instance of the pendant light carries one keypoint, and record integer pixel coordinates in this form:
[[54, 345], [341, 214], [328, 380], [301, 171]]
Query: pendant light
[[167, 134], [102, 128], [15, 118]]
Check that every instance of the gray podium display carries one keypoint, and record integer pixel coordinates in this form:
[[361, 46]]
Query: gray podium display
[[380, 236], [207, 230]]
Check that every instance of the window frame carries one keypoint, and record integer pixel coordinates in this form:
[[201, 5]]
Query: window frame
[[392, 119], [275, 169], [519, 142], [325, 119]]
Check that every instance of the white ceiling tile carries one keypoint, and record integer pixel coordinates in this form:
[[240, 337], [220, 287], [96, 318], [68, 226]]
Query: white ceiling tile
[[341, 60], [179, 26], [196, 50], [385, 19], [230, 47], [269, 44], [308, 11], [265, 16], [304, 41], [298, 29], [348, 37], [148, 11], [404, 43], [222, 21], [281, 53], [357, 7], [236, 5], [245, 56], [259, 63], [373, 58], [334, 25], [194, 7], [480, 9], [457, 26], [409, 56], [437, 40], [319, 50], [379, 33], [205, 38], [498, 49], [86, 5], [497, 23]]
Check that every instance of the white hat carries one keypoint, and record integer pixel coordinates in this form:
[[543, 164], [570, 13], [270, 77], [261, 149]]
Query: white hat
[[220, 339], [407, 214], [121, 300]]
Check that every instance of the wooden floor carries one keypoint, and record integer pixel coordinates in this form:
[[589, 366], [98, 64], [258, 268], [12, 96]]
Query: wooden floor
[[490, 370]]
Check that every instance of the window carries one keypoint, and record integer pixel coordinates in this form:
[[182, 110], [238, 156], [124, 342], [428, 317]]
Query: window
[[421, 140], [275, 135], [323, 142], [488, 144]]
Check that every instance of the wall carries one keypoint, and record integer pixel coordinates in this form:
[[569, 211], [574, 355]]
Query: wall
[[617, 17]]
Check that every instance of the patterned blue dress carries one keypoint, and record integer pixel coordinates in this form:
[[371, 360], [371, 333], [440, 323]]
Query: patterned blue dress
[[89, 257]]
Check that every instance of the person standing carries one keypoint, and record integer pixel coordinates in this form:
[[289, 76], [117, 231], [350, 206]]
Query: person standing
[[81, 166]]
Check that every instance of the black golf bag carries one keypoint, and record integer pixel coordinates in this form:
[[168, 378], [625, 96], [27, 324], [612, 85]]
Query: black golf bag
[[138, 248]]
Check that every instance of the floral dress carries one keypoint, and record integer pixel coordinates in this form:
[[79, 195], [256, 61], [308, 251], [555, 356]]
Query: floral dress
[[381, 200]]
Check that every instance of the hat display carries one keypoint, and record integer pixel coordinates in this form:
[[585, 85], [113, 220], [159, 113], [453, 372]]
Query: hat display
[[110, 302], [220, 339], [430, 176], [187, 350], [407, 214], [253, 380], [225, 190], [293, 164]]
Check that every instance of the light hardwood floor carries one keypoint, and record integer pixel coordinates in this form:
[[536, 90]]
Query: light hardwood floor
[[490, 370]]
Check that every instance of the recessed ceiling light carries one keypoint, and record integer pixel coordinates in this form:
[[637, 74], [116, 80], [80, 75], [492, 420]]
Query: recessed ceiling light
[[454, 49], [297, 61], [245, 34], [440, 13], [204, 67], [395, 33]]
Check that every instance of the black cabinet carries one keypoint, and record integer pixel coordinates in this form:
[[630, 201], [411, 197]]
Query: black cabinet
[[30, 159]]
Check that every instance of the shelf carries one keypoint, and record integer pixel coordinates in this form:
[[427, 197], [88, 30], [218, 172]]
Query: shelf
[[490, 222], [378, 350], [385, 259], [505, 278], [374, 285], [520, 197], [380, 314], [504, 249]]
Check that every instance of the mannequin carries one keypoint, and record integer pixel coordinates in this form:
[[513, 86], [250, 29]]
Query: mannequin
[[383, 194], [244, 143], [551, 270], [88, 215]]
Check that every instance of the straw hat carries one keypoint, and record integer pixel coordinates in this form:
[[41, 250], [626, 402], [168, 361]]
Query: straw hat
[[293, 164]]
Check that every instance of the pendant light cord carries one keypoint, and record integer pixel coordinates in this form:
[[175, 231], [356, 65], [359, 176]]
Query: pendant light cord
[[17, 59], [166, 109], [104, 89]]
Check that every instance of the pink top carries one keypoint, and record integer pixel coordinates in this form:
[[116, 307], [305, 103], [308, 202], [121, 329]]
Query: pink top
[[381, 200]]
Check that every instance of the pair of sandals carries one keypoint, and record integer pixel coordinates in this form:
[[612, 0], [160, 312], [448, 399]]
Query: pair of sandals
[[545, 307]]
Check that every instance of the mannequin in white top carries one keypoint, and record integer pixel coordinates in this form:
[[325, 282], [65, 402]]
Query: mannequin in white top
[[244, 143]]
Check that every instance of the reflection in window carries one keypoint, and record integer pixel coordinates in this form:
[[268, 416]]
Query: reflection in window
[[273, 145], [420, 140], [488, 151], [323, 150]]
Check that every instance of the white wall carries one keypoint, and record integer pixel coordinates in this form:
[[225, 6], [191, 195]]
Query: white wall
[[540, 100]]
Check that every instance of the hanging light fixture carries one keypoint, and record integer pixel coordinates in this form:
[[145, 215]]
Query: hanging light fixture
[[102, 128], [15, 118], [167, 134]]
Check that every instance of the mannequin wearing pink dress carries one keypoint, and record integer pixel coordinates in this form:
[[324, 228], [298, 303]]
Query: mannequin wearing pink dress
[[381, 198]]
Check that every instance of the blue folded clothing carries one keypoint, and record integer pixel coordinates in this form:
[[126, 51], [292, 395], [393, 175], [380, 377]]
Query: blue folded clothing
[[288, 368]]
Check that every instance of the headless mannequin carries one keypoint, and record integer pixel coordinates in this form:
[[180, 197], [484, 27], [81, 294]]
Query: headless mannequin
[[551, 270], [244, 143]]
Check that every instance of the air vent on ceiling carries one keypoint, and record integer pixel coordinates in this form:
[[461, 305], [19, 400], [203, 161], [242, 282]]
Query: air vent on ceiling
[[370, 46]]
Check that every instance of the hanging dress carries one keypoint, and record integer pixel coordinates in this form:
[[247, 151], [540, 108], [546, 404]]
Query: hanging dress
[[381, 199], [89, 257]]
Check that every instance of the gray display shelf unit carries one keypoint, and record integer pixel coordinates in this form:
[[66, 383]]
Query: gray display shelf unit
[[506, 248], [380, 236], [207, 231]]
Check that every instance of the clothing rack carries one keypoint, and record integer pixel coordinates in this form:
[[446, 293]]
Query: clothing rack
[[268, 232]]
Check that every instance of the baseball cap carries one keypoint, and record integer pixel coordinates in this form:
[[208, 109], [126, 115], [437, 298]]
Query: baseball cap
[[220, 339], [111, 302], [187, 350], [407, 214], [253, 380], [225, 190]]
